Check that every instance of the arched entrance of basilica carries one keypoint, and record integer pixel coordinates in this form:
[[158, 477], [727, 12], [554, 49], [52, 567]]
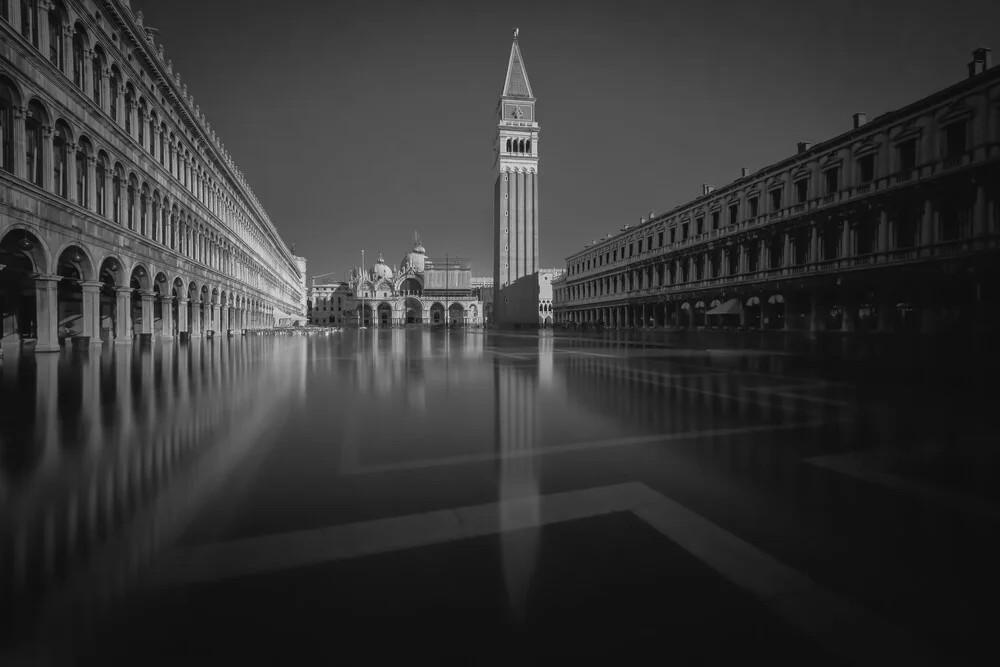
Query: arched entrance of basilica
[[384, 315], [414, 311]]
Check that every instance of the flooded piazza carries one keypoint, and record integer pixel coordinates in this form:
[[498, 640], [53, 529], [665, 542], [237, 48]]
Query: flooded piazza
[[472, 494]]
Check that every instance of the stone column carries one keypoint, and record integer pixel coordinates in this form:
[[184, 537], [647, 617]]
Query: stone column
[[167, 317], [813, 243], [217, 318], [182, 314], [71, 173], [46, 314], [927, 224], [20, 148], [92, 310], [146, 327], [883, 231], [48, 175], [195, 318], [849, 322], [43, 29], [88, 73], [230, 315], [846, 245], [815, 321], [92, 183], [123, 315]]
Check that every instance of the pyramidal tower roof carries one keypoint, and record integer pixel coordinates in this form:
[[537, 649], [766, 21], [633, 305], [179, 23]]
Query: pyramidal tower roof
[[516, 84]]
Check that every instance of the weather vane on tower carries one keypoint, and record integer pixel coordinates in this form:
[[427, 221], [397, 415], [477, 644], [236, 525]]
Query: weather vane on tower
[[515, 33]]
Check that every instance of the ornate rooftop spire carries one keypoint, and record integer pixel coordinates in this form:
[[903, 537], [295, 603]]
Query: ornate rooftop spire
[[516, 84]]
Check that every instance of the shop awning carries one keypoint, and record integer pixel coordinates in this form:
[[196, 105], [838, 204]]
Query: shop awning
[[731, 307]]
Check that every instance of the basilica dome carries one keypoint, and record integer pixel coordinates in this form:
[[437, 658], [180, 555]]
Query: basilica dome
[[415, 258], [380, 270]]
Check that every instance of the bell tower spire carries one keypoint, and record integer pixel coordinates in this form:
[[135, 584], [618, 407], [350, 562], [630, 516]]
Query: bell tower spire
[[516, 172]]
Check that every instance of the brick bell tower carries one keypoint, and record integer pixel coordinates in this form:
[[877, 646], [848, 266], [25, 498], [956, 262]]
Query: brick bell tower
[[515, 207]]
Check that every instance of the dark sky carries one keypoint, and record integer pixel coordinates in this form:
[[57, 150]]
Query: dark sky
[[359, 122]]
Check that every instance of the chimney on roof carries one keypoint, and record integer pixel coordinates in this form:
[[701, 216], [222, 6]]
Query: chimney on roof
[[642, 220], [860, 119], [981, 61], [745, 172], [706, 189], [651, 215], [804, 146]]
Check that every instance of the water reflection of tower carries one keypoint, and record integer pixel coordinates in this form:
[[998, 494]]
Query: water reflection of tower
[[516, 429]]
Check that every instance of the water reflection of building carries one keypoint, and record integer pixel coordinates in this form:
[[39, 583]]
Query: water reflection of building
[[105, 457], [515, 391]]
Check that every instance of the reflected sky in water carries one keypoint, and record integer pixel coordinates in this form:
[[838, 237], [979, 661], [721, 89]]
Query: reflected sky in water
[[110, 457]]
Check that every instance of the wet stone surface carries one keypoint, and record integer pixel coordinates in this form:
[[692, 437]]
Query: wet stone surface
[[475, 493]]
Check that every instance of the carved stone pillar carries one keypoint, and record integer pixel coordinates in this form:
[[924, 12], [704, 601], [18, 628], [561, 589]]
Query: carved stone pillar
[[146, 326], [88, 72], [883, 231], [182, 314], [167, 317], [813, 243], [230, 318], [71, 173], [123, 315], [846, 240], [91, 165], [46, 314], [47, 163], [92, 310], [927, 224], [20, 148], [195, 318]]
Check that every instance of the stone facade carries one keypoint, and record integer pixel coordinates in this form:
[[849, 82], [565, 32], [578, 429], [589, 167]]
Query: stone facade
[[893, 225], [121, 212], [330, 302], [385, 296]]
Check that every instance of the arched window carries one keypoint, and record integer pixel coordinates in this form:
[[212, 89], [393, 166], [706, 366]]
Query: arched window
[[528, 147], [116, 202], [133, 185], [114, 83], [170, 160], [97, 67], [56, 55], [508, 145], [174, 232], [33, 142], [101, 175], [82, 174], [143, 212], [29, 21], [60, 157], [141, 122], [8, 101], [520, 146], [78, 57]]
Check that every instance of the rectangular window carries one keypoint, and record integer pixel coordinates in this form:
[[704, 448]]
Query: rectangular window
[[673, 234], [614, 255], [734, 213], [866, 169], [715, 219], [631, 246], [955, 139], [659, 240], [684, 231], [649, 242], [776, 200], [907, 155], [832, 177], [801, 191], [752, 202], [700, 226]]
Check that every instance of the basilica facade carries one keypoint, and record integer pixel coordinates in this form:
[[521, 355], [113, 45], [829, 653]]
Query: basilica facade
[[418, 291]]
